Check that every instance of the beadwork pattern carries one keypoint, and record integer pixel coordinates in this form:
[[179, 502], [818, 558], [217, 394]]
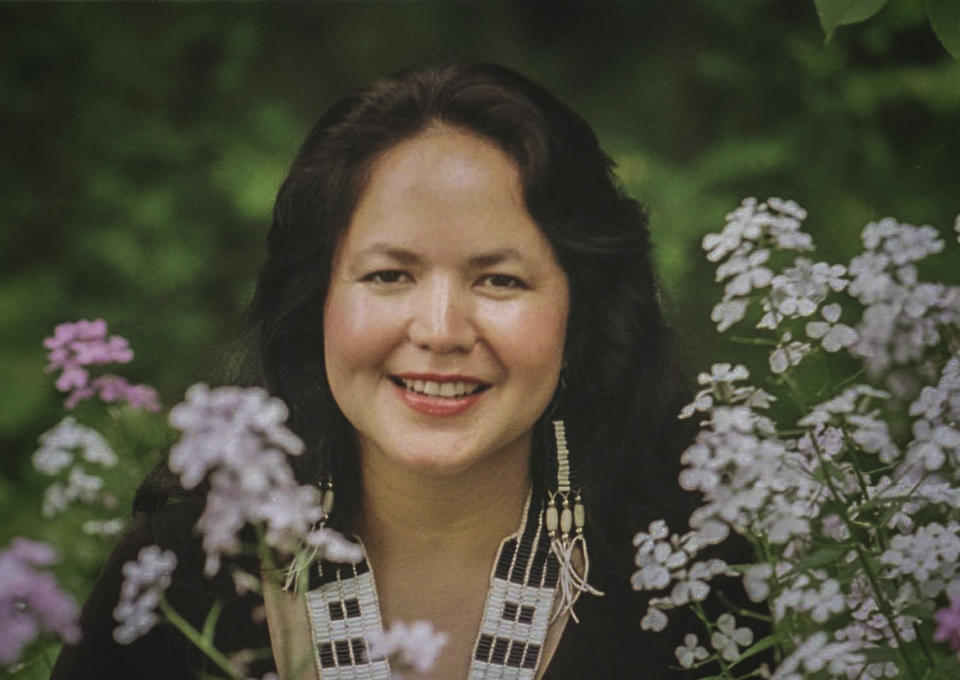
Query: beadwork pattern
[[344, 612]]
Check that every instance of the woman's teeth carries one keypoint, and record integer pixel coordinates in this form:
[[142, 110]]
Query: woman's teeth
[[438, 389]]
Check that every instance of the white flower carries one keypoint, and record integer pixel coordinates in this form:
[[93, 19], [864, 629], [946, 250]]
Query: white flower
[[333, 546], [145, 580], [727, 638], [728, 312], [756, 579], [816, 653], [408, 646], [854, 399], [928, 556], [654, 620], [690, 652], [788, 353], [79, 487], [58, 444], [832, 335]]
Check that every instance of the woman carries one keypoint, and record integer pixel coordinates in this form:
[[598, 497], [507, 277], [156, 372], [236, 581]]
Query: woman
[[451, 270]]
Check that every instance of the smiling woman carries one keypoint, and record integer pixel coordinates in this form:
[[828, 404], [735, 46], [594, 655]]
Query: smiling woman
[[459, 308]]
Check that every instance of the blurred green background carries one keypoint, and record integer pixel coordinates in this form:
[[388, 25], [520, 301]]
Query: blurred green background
[[143, 144]]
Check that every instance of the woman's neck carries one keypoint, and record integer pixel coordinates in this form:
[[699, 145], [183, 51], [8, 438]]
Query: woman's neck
[[410, 517]]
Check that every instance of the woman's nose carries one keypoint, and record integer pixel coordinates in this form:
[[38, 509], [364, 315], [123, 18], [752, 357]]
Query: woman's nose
[[442, 319]]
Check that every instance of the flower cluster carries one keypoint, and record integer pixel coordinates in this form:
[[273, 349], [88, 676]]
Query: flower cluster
[[144, 582], [66, 451], [408, 647], [31, 602], [77, 345], [237, 439], [853, 505]]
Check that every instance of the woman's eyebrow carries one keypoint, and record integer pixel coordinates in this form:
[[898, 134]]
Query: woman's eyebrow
[[393, 252], [404, 256], [495, 257]]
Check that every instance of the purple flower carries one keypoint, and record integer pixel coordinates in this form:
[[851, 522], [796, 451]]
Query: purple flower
[[74, 346], [238, 439], [948, 625], [31, 601]]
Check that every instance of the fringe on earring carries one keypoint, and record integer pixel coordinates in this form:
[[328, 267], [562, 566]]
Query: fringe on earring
[[565, 524], [297, 575]]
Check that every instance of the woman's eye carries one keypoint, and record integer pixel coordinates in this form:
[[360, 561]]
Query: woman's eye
[[385, 276], [502, 281]]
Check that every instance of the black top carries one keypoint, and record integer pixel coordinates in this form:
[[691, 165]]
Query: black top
[[607, 643]]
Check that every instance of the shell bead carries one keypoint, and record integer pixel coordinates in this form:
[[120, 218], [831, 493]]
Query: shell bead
[[566, 520], [326, 501], [579, 515], [552, 518]]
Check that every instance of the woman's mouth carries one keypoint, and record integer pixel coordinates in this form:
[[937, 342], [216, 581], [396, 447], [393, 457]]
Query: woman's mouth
[[439, 397], [434, 388]]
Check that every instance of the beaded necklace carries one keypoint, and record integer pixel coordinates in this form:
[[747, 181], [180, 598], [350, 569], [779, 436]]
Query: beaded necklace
[[344, 612]]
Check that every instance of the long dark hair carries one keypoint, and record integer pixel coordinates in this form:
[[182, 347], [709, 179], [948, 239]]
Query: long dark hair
[[622, 386]]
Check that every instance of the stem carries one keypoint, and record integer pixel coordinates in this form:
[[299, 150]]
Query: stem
[[766, 342], [795, 390], [740, 611], [879, 596], [702, 615], [194, 636], [46, 660]]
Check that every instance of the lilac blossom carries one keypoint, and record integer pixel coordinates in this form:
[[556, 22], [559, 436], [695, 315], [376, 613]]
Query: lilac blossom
[[31, 601], [144, 582], [75, 346], [409, 647], [237, 438], [948, 621]]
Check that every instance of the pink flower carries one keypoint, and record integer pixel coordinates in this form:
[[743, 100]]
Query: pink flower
[[74, 346], [948, 625], [31, 601]]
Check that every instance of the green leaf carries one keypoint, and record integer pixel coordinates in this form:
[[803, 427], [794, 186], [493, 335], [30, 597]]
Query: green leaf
[[945, 668], [834, 13], [757, 647], [822, 556], [944, 18]]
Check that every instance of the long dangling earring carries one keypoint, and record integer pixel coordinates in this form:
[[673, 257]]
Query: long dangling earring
[[565, 522], [298, 571]]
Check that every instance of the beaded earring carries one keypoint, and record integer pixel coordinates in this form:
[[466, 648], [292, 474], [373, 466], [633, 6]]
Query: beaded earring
[[564, 522], [297, 572]]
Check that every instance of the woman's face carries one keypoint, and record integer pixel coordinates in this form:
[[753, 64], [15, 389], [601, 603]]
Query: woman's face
[[444, 322]]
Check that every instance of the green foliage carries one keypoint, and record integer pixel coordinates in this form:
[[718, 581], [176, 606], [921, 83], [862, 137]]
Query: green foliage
[[945, 21], [834, 13], [943, 15]]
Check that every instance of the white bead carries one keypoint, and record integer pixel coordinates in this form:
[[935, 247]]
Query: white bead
[[552, 518]]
